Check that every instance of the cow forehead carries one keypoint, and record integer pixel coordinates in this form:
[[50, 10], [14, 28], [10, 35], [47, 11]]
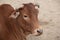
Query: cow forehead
[[29, 4], [29, 9]]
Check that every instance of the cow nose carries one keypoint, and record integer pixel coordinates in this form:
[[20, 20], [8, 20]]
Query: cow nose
[[39, 32]]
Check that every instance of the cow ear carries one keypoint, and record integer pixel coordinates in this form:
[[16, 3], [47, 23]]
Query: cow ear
[[14, 15]]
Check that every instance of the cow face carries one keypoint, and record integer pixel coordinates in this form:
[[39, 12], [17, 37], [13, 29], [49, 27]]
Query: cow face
[[28, 19]]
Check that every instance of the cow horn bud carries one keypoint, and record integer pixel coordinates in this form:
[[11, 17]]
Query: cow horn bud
[[37, 6]]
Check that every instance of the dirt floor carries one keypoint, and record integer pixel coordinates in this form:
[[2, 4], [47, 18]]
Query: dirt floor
[[49, 17]]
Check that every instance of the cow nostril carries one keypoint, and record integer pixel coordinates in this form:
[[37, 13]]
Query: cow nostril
[[40, 31]]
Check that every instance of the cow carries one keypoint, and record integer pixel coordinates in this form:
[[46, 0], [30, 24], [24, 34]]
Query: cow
[[17, 24]]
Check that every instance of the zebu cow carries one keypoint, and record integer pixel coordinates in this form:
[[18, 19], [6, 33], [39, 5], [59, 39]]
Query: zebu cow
[[17, 24]]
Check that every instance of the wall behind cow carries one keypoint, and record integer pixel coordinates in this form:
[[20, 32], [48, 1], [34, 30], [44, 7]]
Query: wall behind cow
[[49, 17]]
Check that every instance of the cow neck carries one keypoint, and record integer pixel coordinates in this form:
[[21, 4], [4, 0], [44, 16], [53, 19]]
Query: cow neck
[[15, 29]]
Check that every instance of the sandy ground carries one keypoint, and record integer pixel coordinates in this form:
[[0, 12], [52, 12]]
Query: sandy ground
[[49, 17]]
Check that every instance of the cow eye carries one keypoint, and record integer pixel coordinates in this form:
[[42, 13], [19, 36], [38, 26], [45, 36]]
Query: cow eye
[[25, 16]]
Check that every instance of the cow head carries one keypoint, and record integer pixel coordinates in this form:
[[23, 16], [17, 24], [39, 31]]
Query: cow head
[[27, 17]]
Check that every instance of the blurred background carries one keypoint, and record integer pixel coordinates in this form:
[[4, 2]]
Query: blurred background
[[49, 17]]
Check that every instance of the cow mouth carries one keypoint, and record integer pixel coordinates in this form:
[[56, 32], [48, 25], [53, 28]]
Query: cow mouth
[[39, 34]]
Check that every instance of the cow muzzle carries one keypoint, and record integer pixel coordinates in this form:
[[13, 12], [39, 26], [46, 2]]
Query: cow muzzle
[[38, 31]]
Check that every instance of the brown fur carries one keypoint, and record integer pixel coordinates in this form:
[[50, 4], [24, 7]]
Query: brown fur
[[17, 29]]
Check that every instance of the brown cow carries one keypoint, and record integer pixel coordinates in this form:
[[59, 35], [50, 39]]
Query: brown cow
[[17, 24]]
